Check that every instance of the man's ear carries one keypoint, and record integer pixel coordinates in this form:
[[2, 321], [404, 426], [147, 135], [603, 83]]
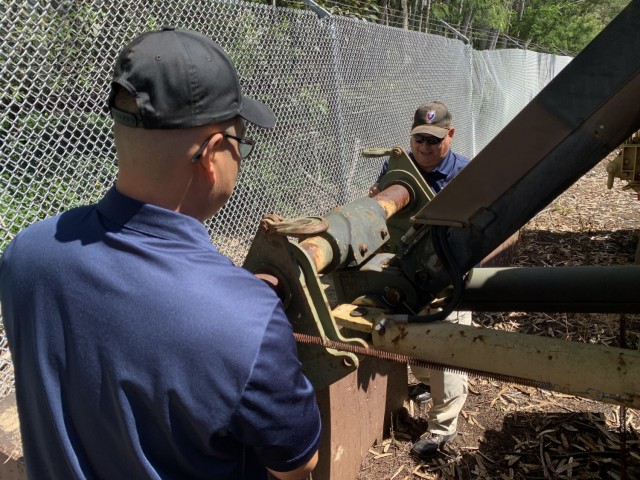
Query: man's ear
[[209, 157], [451, 132]]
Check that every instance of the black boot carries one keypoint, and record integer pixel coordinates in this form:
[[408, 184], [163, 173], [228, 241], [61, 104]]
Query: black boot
[[427, 447], [421, 393]]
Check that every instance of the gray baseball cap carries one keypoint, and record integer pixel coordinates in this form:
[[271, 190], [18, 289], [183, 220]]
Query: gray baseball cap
[[181, 79]]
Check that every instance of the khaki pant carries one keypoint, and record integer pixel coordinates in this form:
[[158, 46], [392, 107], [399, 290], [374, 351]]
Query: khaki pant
[[448, 390]]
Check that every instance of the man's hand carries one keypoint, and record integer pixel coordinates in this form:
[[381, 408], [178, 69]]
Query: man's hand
[[274, 282]]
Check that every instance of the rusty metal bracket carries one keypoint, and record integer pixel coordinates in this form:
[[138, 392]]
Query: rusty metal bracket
[[626, 166], [293, 227], [307, 310], [402, 171]]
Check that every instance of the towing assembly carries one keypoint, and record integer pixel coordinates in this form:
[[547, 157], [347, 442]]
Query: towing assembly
[[402, 261], [405, 259]]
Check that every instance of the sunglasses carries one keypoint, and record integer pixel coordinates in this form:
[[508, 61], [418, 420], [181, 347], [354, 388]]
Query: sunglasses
[[430, 140], [245, 146]]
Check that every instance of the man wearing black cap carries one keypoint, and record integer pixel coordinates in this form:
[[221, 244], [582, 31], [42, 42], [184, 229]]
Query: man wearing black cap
[[431, 136], [139, 351]]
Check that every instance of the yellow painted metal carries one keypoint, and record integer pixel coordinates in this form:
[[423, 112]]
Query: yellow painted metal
[[362, 322], [606, 374], [307, 306]]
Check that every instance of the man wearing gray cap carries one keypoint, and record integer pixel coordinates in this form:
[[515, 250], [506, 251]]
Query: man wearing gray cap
[[431, 135], [139, 351], [430, 138]]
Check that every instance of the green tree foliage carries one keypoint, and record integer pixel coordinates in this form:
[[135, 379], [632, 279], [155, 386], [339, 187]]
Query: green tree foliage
[[565, 26], [558, 26]]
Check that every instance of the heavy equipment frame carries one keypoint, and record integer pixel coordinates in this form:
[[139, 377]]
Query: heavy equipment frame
[[405, 259], [407, 251]]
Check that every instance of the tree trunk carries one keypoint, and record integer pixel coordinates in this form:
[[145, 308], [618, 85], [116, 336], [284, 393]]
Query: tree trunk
[[521, 9], [495, 33], [384, 17], [426, 23], [465, 26], [417, 16], [405, 14], [508, 27]]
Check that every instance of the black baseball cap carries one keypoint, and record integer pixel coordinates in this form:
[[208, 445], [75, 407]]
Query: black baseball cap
[[432, 118], [181, 79]]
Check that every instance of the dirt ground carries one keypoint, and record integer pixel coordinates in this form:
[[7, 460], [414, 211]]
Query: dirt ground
[[512, 432]]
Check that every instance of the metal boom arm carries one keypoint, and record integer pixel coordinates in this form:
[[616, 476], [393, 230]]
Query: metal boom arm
[[589, 109]]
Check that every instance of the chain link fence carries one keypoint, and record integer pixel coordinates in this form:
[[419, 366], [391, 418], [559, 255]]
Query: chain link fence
[[337, 86]]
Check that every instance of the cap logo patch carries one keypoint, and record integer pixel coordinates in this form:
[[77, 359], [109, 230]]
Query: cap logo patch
[[431, 114]]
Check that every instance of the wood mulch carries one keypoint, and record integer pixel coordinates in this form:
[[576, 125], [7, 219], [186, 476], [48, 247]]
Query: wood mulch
[[512, 432]]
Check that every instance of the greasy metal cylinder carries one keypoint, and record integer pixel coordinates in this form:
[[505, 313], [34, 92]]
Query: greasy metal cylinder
[[319, 249], [587, 289], [393, 199]]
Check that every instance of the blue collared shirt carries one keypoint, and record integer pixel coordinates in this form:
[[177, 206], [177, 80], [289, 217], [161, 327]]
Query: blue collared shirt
[[141, 352], [440, 176]]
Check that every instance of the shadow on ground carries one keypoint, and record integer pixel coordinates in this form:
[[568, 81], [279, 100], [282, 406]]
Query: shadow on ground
[[554, 445]]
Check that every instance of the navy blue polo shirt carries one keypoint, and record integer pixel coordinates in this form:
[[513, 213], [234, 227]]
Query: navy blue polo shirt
[[440, 176], [141, 352]]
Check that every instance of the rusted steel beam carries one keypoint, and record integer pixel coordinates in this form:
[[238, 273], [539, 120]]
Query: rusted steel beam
[[502, 255]]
